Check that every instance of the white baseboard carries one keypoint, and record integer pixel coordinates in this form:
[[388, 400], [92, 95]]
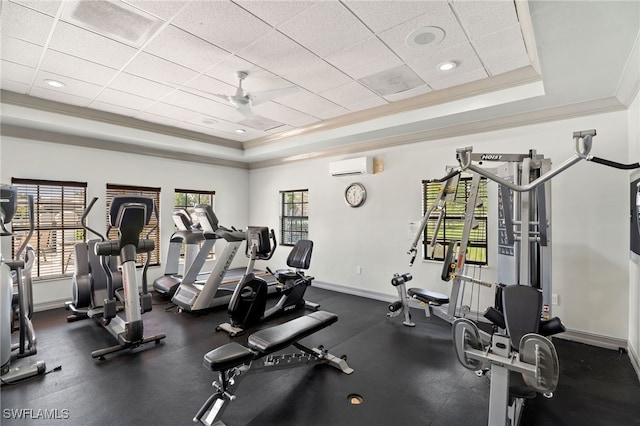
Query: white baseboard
[[356, 292], [594, 339]]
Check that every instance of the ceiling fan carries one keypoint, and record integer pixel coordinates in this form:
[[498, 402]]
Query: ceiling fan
[[243, 100]]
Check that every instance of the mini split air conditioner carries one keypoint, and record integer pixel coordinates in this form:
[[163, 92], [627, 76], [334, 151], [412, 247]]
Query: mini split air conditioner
[[352, 166]]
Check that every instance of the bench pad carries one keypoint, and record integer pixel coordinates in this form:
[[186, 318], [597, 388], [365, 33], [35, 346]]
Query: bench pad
[[227, 356], [427, 296], [279, 337]]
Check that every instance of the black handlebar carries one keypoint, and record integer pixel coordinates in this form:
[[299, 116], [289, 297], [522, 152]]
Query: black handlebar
[[83, 220], [614, 164]]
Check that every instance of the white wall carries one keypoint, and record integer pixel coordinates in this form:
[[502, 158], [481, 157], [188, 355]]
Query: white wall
[[589, 218], [634, 263], [41, 160], [591, 271]]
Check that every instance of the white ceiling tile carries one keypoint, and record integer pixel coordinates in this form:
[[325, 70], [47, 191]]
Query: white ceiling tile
[[90, 46], [157, 69], [258, 122], [463, 54], [54, 95], [24, 23], [508, 65], [218, 23], [380, 16], [20, 51], [170, 111], [485, 17], [408, 93], [275, 12], [176, 45], [365, 58], [76, 68], [459, 79], [123, 99], [115, 109], [50, 7], [161, 9], [502, 47], [366, 104], [16, 72], [277, 53], [258, 79], [317, 76], [283, 128], [350, 94], [72, 86], [310, 103], [203, 105], [139, 86], [326, 28], [14, 86], [146, 116], [441, 16], [284, 114], [209, 87]]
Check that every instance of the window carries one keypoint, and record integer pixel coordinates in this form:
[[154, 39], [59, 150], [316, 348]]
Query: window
[[294, 219], [148, 231], [188, 198], [453, 223], [58, 207]]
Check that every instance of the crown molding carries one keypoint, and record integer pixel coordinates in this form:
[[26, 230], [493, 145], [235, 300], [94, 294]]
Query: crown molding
[[19, 132], [600, 106], [17, 99]]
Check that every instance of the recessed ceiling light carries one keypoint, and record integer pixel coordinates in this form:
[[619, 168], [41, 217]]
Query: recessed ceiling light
[[425, 36], [240, 130], [209, 121], [447, 66], [55, 83]]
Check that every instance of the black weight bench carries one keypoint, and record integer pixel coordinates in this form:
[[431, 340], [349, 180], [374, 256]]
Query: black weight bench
[[234, 361], [428, 297]]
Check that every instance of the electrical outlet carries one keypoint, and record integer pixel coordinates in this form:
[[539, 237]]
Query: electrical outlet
[[554, 299], [358, 269]]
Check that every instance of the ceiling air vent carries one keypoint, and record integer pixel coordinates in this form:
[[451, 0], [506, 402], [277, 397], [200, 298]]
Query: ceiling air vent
[[119, 21]]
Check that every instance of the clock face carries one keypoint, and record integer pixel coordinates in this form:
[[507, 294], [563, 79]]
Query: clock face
[[355, 195]]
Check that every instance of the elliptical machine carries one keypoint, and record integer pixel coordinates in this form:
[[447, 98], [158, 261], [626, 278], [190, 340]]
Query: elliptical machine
[[248, 302], [16, 310], [99, 291]]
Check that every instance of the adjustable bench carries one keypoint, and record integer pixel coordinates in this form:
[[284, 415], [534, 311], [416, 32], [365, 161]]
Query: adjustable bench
[[234, 361], [426, 298]]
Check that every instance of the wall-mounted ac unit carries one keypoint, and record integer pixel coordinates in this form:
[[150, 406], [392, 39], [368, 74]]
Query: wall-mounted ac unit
[[352, 166]]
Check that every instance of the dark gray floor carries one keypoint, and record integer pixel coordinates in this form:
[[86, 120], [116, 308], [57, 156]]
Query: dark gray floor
[[407, 376]]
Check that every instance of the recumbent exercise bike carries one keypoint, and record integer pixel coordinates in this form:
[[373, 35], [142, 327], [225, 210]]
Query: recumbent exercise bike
[[248, 302]]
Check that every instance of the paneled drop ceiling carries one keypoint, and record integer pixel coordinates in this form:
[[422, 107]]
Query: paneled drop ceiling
[[325, 76]]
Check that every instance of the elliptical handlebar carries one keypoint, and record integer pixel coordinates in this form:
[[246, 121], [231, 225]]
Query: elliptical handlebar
[[83, 220], [25, 242]]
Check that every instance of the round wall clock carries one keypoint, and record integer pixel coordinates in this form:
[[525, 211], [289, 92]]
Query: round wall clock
[[355, 194]]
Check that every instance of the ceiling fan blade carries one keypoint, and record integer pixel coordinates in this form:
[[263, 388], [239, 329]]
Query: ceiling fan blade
[[259, 97], [245, 110]]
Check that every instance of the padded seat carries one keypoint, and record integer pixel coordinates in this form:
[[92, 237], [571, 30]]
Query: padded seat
[[283, 335], [430, 297], [227, 356]]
